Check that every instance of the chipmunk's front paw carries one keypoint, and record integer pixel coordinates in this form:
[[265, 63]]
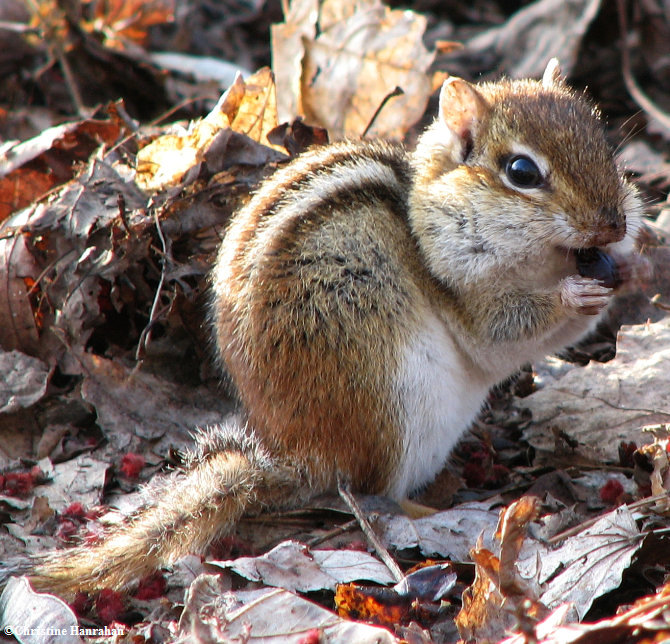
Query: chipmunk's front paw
[[584, 295]]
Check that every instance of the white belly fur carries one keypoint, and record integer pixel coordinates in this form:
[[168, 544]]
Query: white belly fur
[[441, 399]]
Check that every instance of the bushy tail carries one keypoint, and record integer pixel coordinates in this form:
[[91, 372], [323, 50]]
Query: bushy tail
[[229, 475]]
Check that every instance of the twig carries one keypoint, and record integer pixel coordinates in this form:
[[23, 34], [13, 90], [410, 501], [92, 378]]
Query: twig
[[57, 51], [52, 264], [123, 213], [645, 410], [145, 336], [656, 301], [70, 80], [382, 552], [650, 500], [396, 92], [335, 532], [633, 88], [17, 27]]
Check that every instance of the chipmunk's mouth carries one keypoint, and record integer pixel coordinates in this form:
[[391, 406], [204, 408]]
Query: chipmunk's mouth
[[595, 263]]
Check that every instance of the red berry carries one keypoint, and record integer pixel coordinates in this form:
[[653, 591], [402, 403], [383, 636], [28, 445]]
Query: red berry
[[474, 474], [151, 587], [109, 606], [75, 510], [18, 483], [611, 492], [81, 604], [132, 464]]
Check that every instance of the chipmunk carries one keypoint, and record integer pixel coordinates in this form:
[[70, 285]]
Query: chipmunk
[[366, 300]]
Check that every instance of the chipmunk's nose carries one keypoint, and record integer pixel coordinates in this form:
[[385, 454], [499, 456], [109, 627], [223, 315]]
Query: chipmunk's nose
[[611, 226]]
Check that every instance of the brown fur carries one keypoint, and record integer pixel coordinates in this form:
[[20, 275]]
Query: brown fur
[[229, 475], [352, 273], [344, 301]]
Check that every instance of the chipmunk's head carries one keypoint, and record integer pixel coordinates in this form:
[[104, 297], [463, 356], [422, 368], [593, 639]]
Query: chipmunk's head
[[519, 168]]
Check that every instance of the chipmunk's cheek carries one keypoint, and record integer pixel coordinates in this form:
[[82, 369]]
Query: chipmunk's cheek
[[594, 263], [564, 261]]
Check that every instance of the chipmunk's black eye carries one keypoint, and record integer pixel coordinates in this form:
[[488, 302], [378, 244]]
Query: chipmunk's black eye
[[523, 172]]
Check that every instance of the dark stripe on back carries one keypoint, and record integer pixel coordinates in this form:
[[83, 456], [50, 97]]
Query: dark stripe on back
[[323, 163]]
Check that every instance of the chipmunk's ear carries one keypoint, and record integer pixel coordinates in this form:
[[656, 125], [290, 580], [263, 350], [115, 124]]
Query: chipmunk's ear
[[552, 74], [462, 108]]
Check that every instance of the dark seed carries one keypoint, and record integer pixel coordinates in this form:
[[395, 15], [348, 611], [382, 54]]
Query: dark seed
[[592, 262]]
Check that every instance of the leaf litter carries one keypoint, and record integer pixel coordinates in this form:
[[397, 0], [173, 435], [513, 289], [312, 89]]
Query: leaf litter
[[109, 224]]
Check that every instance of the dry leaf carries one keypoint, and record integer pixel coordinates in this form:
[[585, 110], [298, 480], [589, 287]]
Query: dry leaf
[[381, 606], [18, 329], [256, 115], [247, 108], [536, 33], [646, 622], [294, 567], [340, 77], [602, 405], [28, 170], [448, 534], [128, 20], [214, 616], [415, 597], [19, 433], [28, 615], [499, 597], [132, 404], [429, 580], [482, 618], [511, 533], [89, 201], [288, 52], [296, 137], [639, 157], [589, 564], [24, 380], [81, 479], [657, 455]]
